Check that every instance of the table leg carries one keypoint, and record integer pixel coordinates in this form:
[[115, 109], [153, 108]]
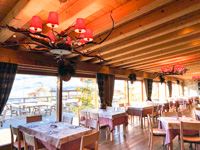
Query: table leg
[[124, 129], [141, 120], [111, 135], [171, 146]]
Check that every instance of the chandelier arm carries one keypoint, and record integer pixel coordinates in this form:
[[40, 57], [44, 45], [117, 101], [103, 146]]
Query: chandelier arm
[[62, 33], [27, 33], [113, 26], [87, 55]]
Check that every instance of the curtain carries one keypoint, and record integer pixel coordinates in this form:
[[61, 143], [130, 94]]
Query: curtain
[[148, 83], [110, 83], [100, 81], [169, 84], [106, 89], [182, 86], [7, 76]]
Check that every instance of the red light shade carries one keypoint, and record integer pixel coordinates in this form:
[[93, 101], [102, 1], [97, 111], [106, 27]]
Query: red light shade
[[53, 21], [51, 36], [181, 67], [68, 41], [88, 35], [163, 68], [80, 25], [82, 41], [36, 24], [176, 67]]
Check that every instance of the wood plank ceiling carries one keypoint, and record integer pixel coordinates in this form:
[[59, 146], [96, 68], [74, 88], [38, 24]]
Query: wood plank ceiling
[[148, 33]]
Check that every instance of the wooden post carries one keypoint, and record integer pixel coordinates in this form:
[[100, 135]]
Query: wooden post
[[59, 99]]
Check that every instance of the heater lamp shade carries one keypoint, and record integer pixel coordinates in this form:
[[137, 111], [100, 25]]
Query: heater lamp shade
[[88, 35], [82, 41], [163, 68], [80, 25], [69, 40], [53, 20], [36, 24]]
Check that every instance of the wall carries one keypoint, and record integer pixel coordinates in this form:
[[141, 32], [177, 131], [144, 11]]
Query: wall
[[191, 88]]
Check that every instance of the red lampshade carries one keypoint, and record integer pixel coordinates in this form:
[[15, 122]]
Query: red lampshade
[[163, 68], [181, 67], [88, 35], [82, 41], [51, 36], [53, 21], [80, 25], [36, 24]]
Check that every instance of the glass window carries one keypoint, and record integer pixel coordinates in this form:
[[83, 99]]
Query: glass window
[[135, 92], [120, 93], [161, 91], [155, 94]]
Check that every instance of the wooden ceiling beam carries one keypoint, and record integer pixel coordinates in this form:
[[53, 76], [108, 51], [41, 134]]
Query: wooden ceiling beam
[[156, 59], [149, 43], [158, 50], [137, 11], [151, 21]]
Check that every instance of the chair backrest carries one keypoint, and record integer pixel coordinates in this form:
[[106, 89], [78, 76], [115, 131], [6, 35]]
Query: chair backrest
[[15, 133], [121, 109], [94, 116], [90, 139], [109, 108], [187, 126], [197, 114], [35, 118], [82, 114], [121, 105], [127, 104], [171, 114], [92, 124], [67, 119], [150, 125], [30, 140]]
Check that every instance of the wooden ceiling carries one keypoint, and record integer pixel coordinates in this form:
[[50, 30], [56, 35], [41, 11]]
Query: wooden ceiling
[[148, 33]]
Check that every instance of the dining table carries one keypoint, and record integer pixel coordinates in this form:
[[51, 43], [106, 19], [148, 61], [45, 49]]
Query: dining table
[[56, 135], [172, 128], [111, 119]]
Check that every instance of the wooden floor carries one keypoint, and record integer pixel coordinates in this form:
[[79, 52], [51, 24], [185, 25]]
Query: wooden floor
[[136, 139]]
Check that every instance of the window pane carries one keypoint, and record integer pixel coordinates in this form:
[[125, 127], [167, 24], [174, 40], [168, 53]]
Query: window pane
[[161, 91], [120, 93], [135, 92], [155, 90]]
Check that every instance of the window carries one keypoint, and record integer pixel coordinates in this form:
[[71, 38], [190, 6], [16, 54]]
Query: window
[[162, 91], [155, 94], [135, 92], [120, 93]]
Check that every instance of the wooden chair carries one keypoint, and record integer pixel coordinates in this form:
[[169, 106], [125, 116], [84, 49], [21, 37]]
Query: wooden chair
[[127, 104], [154, 132], [92, 124], [109, 108], [13, 111], [121, 105], [35, 118], [171, 114], [18, 143], [96, 117], [2, 118], [90, 140], [186, 139], [30, 140], [177, 106], [67, 119], [82, 116], [197, 114]]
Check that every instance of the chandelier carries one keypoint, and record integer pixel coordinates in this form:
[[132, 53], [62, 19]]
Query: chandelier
[[172, 70], [196, 78], [58, 44]]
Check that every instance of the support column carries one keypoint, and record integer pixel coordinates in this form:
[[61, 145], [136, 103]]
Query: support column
[[59, 99]]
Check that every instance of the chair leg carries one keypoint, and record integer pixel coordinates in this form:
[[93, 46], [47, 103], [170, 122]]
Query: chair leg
[[149, 139], [107, 133], [151, 147]]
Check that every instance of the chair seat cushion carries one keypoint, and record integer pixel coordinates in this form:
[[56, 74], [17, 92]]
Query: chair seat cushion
[[191, 139], [159, 132], [15, 144]]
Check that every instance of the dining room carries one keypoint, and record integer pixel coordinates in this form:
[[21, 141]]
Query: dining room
[[99, 74]]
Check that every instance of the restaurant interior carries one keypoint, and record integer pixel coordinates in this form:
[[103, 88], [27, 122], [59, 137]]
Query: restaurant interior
[[117, 74]]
